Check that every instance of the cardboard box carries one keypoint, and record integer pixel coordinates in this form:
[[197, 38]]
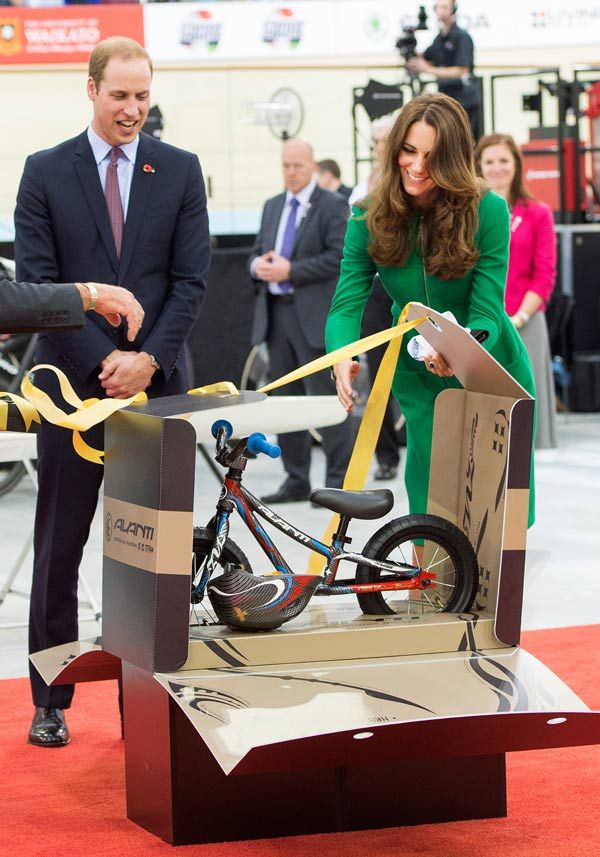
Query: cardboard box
[[332, 691]]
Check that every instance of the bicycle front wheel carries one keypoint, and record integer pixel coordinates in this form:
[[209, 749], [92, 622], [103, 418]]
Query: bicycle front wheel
[[203, 542], [433, 544]]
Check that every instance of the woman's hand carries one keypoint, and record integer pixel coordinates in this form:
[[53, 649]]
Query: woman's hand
[[345, 373], [436, 364]]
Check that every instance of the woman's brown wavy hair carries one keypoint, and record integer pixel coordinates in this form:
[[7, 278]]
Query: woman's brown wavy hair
[[452, 221], [517, 186]]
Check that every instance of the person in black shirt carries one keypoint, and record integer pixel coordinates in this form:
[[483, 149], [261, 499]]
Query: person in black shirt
[[329, 177], [450, 59]]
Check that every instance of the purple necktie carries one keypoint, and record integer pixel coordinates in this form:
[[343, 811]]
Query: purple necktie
[[287, 244], [113, 198]]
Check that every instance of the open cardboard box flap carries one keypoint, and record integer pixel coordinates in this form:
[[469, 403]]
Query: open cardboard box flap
[[455, 704], [468, 702]]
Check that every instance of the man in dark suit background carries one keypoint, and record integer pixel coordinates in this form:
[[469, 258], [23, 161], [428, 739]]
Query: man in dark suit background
[[38, 307], [296, 260], [117, 206], [329, 177]]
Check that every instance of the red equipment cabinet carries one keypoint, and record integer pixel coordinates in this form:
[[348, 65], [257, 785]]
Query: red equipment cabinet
[[541, 170]]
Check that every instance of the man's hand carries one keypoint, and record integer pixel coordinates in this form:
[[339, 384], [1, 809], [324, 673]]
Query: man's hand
[[125, 373], [419, 65], [114, 302], [272, 268], [345, 373]]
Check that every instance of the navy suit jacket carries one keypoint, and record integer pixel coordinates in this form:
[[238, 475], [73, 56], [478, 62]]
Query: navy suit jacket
[[63, 234]]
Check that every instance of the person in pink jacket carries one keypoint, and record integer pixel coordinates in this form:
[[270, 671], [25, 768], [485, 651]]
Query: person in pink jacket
[[531, 269]]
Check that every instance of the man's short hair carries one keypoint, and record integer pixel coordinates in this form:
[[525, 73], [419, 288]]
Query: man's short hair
[[328, 165], [117, 46]]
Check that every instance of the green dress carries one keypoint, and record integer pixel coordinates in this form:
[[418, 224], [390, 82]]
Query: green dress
[[477, 301]]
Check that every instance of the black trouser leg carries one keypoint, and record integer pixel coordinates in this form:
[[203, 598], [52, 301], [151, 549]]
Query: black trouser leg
[[66, 503]]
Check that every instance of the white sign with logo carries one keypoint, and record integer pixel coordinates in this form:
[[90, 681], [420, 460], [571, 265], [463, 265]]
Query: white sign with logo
[[192, 31], [322, 28]]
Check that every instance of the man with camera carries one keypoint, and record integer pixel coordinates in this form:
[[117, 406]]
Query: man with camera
[[449, 58]]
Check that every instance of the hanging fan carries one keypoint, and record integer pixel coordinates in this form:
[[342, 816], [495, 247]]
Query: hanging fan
[[282, 114]]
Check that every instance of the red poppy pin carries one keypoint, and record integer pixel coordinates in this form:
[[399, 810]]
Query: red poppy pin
[[148, 168]]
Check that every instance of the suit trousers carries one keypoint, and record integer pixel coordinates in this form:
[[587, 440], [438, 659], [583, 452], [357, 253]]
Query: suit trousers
[[289, 349], [66, 504]]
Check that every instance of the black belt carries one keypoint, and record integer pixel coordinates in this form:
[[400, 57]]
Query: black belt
[[283, 299]]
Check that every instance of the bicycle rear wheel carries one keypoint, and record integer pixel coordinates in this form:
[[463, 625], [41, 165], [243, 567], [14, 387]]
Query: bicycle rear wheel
[[446, 552]]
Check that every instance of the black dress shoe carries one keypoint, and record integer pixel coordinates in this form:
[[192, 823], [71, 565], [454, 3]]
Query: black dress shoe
[[285, 494], [48, 728], [385, 471]]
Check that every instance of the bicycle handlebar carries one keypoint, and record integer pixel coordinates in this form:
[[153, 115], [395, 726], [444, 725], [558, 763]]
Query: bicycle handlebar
[[257, 443]]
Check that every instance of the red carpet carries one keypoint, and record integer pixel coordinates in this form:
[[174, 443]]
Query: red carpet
[[71, 801]]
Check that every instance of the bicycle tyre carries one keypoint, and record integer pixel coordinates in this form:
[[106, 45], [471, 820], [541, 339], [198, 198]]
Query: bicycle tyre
[[203, 540], [458, 567], [11, 473]]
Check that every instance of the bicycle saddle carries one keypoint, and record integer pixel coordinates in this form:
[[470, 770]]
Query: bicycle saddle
[[366, 505]]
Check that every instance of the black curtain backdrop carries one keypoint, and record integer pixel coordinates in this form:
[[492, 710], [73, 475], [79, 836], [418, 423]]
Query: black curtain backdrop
[[220, 340]]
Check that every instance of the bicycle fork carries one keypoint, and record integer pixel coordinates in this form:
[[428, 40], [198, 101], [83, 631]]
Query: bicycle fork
[[203, 574]]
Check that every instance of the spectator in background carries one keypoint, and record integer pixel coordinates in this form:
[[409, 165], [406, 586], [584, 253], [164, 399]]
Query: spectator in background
[[380, 130], [531, 269], [295, 262], [329, 177], [449, 58]]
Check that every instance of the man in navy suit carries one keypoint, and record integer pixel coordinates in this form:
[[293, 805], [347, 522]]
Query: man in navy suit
[[295, 262], [116, 206]]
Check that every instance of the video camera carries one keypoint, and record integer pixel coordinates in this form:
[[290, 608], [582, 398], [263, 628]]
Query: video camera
[[407, 43]]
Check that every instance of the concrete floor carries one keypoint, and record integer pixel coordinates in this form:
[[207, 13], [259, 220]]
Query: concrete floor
[[556, 594]]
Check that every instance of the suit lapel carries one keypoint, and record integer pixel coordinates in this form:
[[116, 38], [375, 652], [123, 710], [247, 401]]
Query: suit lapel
[[87, 173], [301, 230], [141, 185]]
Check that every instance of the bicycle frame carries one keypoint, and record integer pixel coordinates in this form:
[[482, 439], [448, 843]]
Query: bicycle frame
[[234, 497]]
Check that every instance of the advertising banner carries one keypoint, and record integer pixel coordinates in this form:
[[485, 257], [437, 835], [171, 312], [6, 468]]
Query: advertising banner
[[196, 31], [64, 35], [351, 28]]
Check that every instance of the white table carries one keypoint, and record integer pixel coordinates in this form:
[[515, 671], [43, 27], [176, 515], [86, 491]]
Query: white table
[[21, 446]]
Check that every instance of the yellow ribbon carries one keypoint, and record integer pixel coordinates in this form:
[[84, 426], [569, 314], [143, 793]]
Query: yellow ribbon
[[87, 413], [28, 413], [90, 412], [370, 425], [224, 387]]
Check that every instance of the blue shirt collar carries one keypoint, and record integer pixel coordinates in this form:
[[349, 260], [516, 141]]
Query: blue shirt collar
[[101, 148]]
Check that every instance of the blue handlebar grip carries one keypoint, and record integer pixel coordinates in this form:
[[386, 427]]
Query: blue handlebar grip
[[257, 442], [222, 424]]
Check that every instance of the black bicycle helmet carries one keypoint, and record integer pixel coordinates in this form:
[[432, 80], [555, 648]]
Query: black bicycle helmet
[[259, 603]]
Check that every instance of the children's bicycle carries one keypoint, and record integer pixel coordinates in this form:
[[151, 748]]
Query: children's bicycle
[[418, 563]]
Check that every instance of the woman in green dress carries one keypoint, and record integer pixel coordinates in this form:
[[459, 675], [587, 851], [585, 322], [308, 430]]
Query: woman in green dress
[[436, 234]]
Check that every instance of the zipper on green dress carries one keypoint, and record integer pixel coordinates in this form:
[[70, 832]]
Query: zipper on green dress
[[422, 245]]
